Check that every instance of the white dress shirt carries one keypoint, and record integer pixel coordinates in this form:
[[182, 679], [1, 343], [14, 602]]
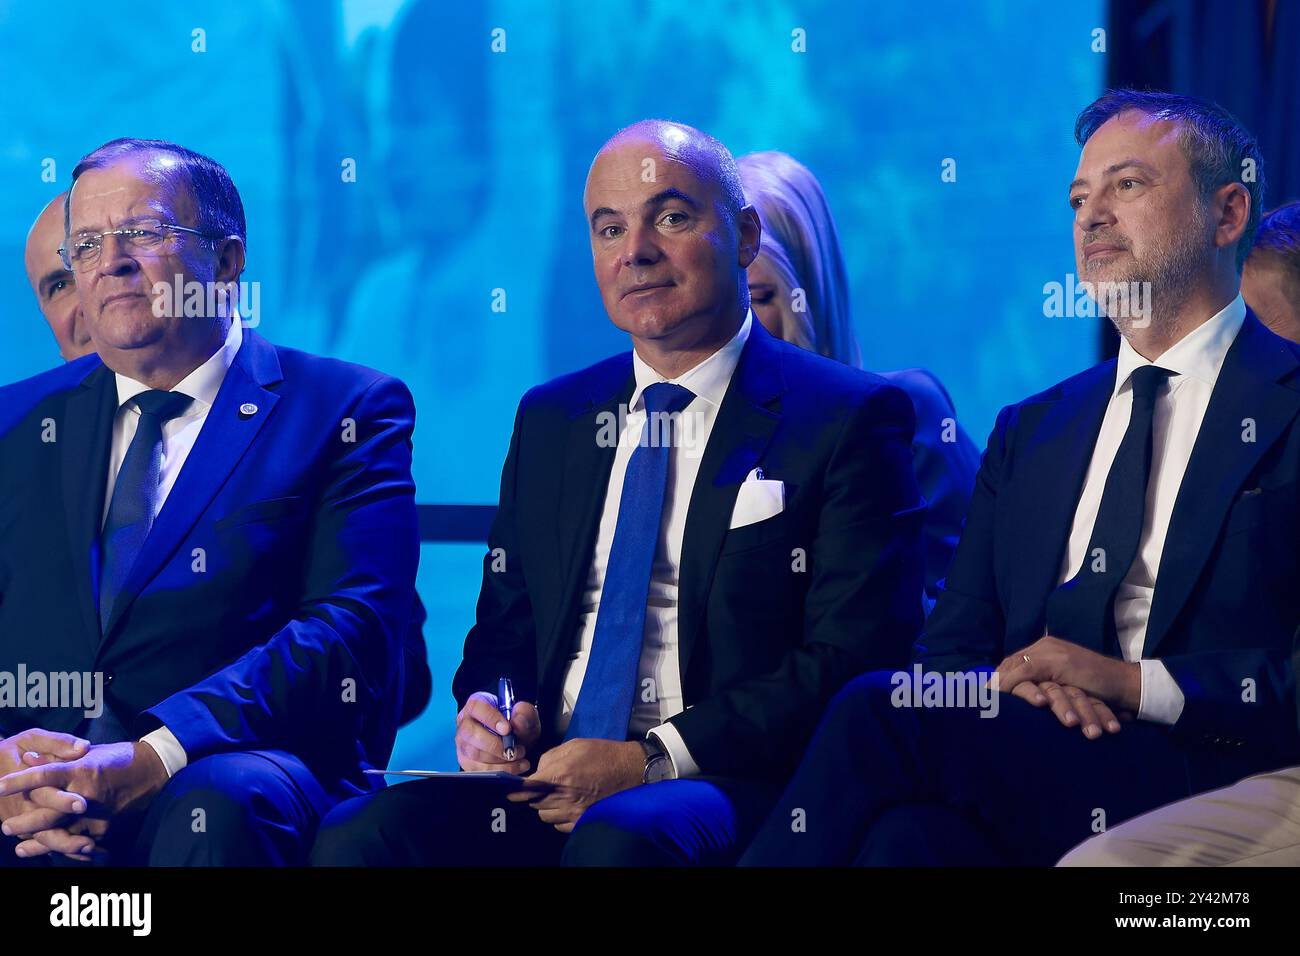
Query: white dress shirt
[[1179, 408], [179, 435], [659, 681]]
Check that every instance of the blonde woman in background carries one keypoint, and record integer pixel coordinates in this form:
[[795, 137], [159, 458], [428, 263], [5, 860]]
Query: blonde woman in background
[[800, 253]]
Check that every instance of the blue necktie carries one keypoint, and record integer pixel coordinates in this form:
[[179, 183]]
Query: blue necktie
[[1082, 610], [604, 705], [135, 496]]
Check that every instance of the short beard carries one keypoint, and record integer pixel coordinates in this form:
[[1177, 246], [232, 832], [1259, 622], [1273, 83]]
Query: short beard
[[1172, 268]]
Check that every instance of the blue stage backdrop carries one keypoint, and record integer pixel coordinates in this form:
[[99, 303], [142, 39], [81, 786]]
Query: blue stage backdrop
[[413, 171]]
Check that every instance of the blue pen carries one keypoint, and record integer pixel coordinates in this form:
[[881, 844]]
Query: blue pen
[[506, 704]]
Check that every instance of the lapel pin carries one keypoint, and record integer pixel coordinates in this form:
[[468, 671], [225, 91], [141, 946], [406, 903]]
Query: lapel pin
[[248, 409]]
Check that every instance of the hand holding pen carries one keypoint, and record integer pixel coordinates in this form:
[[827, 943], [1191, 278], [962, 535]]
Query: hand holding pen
[[481, 729]]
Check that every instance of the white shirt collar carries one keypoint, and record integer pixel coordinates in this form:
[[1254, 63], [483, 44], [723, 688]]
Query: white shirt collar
[[708, 380], [204, 382], [1199, 354]]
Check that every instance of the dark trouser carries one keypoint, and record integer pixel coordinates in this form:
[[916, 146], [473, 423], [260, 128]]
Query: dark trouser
[[888, 785], [259, 808], [927, 834], [703, 821]]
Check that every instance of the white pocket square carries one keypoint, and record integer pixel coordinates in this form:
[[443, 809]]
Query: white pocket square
[[759, 498]]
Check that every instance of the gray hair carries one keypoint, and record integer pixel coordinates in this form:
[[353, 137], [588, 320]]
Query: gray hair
[[220, 210]]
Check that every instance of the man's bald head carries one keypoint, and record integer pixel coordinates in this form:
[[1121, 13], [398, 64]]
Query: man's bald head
[[43, 240], [54, 286], [708, 157]]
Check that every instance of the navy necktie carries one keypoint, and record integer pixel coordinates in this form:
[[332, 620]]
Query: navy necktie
[[135, 496], [604, 705], [1082, 610]]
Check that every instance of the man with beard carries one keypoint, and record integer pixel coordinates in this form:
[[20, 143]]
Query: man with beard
[[1127, 569], [1255, 822]]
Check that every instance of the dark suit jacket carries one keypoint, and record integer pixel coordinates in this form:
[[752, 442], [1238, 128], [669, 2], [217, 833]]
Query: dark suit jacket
[[268, 606], [945, 461], [417, 679], [1226, 601], [762, 644]]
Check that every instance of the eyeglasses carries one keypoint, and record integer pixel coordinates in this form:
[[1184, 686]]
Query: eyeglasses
[[145, 237]]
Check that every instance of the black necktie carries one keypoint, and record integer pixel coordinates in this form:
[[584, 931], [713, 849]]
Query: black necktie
[[1082, 610], [135, 495]]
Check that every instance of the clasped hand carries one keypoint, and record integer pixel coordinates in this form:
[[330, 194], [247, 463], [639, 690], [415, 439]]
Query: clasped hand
[[1083, 688], [60, 793]]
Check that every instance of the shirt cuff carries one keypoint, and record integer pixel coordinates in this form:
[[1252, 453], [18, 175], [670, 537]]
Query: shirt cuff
[[1162, 699], [168, 749], [683, 764]]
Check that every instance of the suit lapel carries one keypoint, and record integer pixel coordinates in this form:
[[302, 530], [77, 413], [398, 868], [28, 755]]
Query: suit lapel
[[87, 437], [1052, 479], [226, 434], [583, 482], [741, 432], [1246, 391]]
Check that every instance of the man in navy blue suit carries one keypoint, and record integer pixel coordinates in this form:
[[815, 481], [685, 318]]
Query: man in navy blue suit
[[211, 539], [1128, 567], [55, 287], [698, 543]]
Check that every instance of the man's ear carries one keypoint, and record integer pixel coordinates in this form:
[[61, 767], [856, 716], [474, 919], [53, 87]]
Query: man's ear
[[1232, 202], [749, 232], [230, 260]]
